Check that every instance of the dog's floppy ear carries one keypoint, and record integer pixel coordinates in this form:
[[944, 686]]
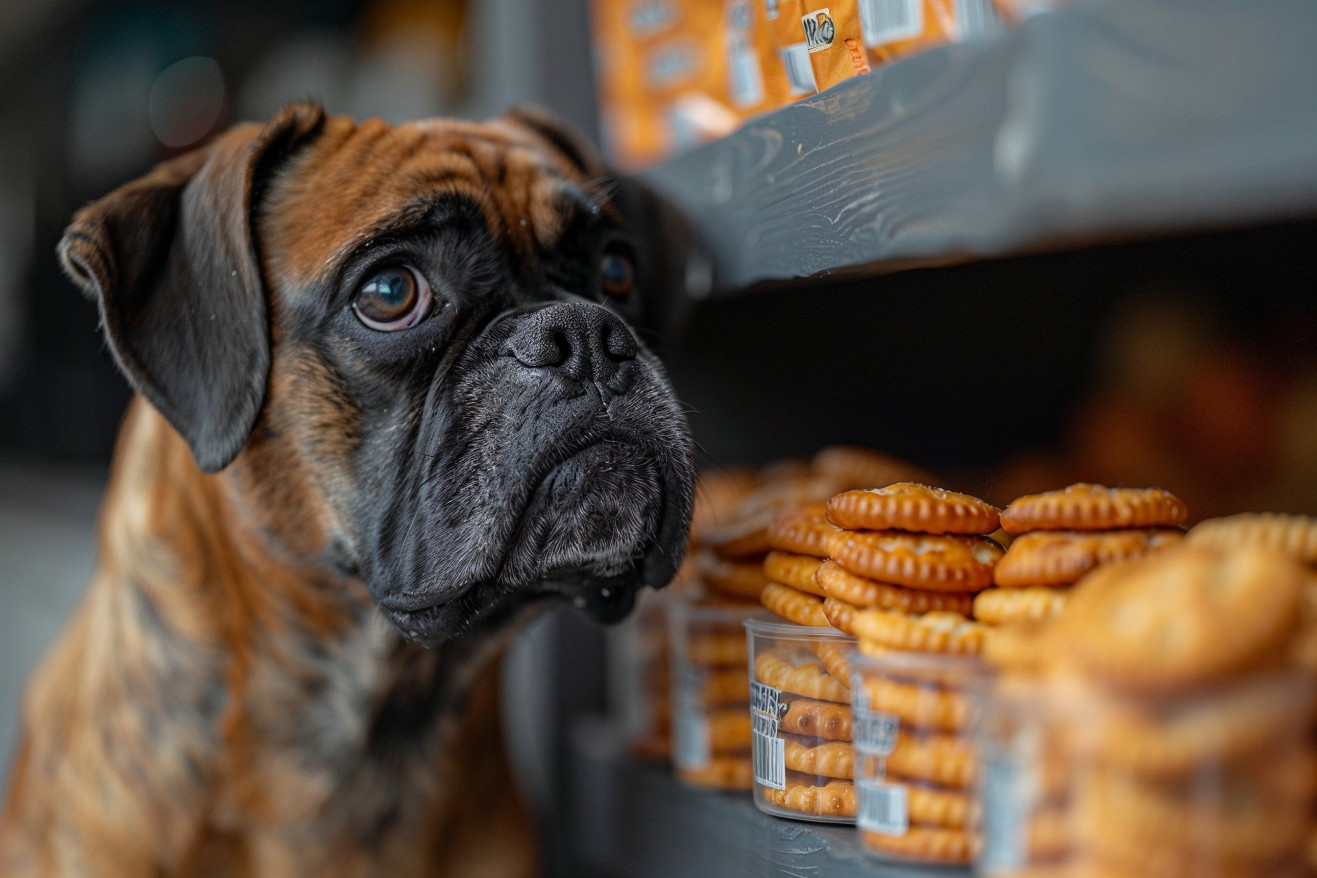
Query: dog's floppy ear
[[674, 268], [561, 136], [171, 259]]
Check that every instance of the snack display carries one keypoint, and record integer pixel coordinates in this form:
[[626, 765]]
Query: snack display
[[803, 761], [1059, 536], [671, 74], [710, 694], [640, 678], [757, 539], [1163, 728], [901, 576], [914, 718]]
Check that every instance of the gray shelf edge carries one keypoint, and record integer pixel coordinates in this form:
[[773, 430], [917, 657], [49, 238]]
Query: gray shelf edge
[[1102, 121], [634, 820]]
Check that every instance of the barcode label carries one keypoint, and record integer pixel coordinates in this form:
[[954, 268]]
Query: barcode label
[[690, 739], [1005, 812], [770, 761], [883, 808], [976, 18], [889, 21], [746, 85], [766, 708], [874, 732], [800, 75]]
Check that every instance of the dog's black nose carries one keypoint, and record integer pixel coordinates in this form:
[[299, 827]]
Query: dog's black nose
[[584, 341]]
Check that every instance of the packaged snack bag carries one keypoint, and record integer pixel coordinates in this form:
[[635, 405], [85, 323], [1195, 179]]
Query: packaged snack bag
[[790, 47], [893, 28], [834, 40]]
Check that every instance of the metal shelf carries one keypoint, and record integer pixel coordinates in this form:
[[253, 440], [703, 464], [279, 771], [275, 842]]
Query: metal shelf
[[1103, 121], [633, 820]]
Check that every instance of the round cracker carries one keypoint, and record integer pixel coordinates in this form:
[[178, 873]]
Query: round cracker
[[1183, 616], [803, 532], [911, 506], [1293, 535], [1059, 557], [797, 571], [945, 562], [860, 591], [793, 605], [1084, 506]]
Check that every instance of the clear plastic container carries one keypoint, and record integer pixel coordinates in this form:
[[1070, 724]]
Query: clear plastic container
[[711, 736], [1217, 783], [916, 715], [640, 678], [800, 706]]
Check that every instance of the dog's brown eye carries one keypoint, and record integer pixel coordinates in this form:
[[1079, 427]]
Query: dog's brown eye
[[617, 275], [392, 299]]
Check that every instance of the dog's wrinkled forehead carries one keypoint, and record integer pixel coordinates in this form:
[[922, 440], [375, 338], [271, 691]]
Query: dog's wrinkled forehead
[[525, 184]]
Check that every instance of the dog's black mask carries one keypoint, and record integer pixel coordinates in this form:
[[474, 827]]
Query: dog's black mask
[[421, 335], [550, 458]]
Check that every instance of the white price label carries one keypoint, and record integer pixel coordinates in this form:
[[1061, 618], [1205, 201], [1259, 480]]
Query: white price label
[[883, 808], [890, 21], [873, 732]]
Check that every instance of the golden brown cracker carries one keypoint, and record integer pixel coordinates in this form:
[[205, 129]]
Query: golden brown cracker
[[721, 773], [803, 532], [716, 649], [840, 615], [910, 506], [797, 571], [834, 759], [835, 798], [1183, 616], [1059, 557], [946, 562], [926, 844], [921, 705], [932, 632], [782, 670], [838, 582], [1293, 535], [742, 580], [817, 719], [945, 760], [795, 606], [1006, 606], [835, 655], [1084, 506]]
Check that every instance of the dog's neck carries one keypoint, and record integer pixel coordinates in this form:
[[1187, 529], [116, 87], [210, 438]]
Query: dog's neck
[[249, 707]]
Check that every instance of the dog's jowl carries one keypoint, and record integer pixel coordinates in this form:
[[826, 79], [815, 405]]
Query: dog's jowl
[[389, 401]]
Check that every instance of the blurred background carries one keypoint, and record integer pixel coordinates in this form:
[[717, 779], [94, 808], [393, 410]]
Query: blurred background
[[1186, 360]]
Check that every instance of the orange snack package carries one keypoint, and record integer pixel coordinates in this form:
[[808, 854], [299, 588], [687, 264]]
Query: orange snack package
[[893, 28], [834, 40], [792, 53]]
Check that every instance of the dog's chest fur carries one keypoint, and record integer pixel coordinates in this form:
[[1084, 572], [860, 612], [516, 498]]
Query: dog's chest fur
[[259, 726]]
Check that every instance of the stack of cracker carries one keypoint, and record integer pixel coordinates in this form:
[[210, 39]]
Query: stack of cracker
[[801, 696], [1059, 536], [710, 687], [901, 576], [1170, 691], [1295, 537], [804, 763]]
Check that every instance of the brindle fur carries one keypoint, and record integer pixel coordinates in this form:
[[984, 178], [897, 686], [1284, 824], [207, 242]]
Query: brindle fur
[[227, 699]]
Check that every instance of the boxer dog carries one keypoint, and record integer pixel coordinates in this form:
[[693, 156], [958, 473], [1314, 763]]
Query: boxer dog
[[386, 404]]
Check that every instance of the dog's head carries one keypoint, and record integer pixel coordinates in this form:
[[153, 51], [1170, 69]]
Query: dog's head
[[409, 351]]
